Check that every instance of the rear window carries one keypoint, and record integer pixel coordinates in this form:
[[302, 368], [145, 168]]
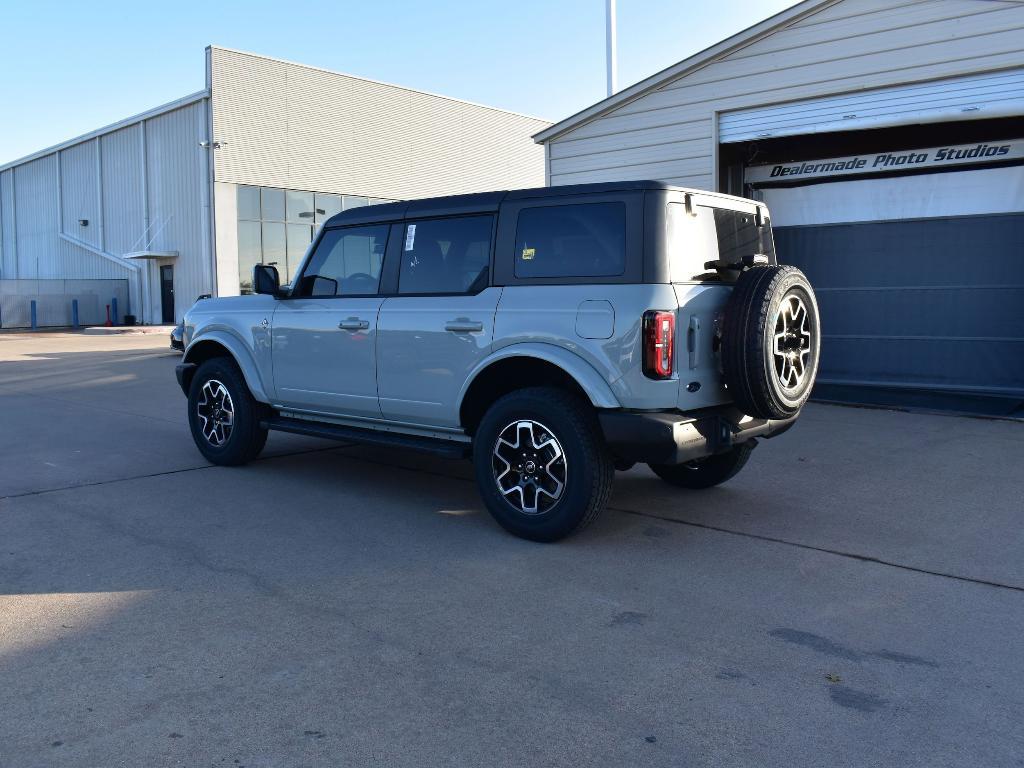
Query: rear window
[[739, 235], [584, 240], [709, 234]]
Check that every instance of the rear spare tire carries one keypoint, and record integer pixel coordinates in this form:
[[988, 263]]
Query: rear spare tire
[[770, 341]]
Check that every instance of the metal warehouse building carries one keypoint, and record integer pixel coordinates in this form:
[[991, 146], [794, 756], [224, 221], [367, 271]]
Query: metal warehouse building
[[887, 138], [182, 200]]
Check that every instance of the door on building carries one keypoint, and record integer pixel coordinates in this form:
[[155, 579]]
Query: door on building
[[167, 294], [325, 332], [919, 283]]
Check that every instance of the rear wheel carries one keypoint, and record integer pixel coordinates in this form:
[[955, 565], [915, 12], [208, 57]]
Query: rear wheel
[[223, 415], [707, 472], [541, 464]]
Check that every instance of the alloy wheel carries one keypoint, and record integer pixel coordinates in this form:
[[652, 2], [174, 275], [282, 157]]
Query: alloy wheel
[[529, 466], [792, 342], [216, 413]]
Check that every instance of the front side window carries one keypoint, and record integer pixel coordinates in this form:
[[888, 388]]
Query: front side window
[[346, 262], [585, 240], [446, 255]]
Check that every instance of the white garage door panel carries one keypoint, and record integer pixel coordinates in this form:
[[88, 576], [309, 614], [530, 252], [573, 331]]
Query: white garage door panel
[[998, 94], [933, 195]]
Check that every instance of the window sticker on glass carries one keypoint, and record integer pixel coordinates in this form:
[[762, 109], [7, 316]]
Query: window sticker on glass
[[410, 237], [528, 253]]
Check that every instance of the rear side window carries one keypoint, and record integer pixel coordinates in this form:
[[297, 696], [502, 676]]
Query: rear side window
[[346, 262], [446, 255], [584, 240]]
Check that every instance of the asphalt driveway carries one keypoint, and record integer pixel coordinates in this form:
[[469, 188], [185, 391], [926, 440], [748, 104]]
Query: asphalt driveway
[[854, 597]]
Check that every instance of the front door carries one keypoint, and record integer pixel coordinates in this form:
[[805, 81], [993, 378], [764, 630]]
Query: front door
[[167, 294], [439, 326], [325, 334]]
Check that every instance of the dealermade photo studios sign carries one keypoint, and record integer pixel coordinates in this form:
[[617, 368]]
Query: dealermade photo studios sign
[[884, 162]]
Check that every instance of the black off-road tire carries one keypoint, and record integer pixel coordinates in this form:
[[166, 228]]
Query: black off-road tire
[[707, 472], [752, 369], [244, 441], [588, 467]]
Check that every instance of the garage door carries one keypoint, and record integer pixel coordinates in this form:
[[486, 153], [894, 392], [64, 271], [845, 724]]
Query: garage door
[[920, 280]]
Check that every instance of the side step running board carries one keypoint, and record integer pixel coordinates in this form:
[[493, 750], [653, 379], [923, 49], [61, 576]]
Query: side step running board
[[445, 448]]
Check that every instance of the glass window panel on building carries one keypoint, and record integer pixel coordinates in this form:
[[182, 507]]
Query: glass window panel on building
[[272, 204], [275, 248], [299, 238], [249, 203], [249, 253], [326, 206], [353, 201], [299, 206]]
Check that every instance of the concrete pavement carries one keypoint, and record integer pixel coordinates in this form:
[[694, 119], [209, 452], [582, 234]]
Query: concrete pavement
[[854, 597]]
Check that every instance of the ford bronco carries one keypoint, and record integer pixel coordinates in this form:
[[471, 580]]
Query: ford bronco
[[554, 335]]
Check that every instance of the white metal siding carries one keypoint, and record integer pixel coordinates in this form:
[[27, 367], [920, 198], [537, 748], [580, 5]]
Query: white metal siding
[[102, 180], [174, 160], [122, 190], [669, 133], [288, 125], [8, 265], [78, 193]]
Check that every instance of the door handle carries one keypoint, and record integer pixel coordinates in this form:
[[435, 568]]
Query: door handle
[[693, 341], [354, 324], [463, 326]]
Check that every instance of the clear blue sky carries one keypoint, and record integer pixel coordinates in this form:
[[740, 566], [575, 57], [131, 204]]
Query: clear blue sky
[[68, 68]]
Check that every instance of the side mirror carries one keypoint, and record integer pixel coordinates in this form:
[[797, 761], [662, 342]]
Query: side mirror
[[265, 279]]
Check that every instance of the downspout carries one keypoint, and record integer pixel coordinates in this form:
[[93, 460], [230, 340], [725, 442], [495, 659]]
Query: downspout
[[99, 193], [146, 303], [205, 197], [14, 222]]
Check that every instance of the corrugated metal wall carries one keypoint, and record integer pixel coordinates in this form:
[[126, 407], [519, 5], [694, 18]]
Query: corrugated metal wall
[[669, 133], [123, 209], [103, 182], [288, 125], [174, 162]]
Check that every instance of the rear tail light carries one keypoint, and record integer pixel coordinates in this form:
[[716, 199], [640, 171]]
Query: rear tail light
[[659, 344]]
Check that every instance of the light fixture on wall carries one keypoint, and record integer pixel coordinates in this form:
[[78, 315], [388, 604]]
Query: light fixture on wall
[[212, 144], [83, 222]]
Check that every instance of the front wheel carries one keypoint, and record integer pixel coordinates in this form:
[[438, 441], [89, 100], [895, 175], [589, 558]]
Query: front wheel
[[707, 472], [541, 464], [223, 415]]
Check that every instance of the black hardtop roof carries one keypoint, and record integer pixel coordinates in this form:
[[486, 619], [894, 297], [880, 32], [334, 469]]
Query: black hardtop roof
[[479, 202]]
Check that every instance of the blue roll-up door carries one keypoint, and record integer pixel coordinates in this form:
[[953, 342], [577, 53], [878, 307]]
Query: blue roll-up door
[[921, 288]]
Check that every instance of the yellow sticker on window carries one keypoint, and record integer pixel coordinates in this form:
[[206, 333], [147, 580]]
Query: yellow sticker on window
[[528, 254]]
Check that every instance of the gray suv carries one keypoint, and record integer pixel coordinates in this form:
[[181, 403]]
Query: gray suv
[[554, 335]]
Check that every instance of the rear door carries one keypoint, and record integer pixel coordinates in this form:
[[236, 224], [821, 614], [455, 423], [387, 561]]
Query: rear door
[[324, 335], [439, 324], [713, 228]]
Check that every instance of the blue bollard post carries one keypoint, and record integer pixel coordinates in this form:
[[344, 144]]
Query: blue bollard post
[[74, 313], [32, 312], [113, 308]]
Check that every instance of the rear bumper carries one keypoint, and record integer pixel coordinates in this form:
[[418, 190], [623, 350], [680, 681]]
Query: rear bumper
[[667, 437]]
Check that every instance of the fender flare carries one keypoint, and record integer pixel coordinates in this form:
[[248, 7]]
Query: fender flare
[[583, 373], [241, 355]]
